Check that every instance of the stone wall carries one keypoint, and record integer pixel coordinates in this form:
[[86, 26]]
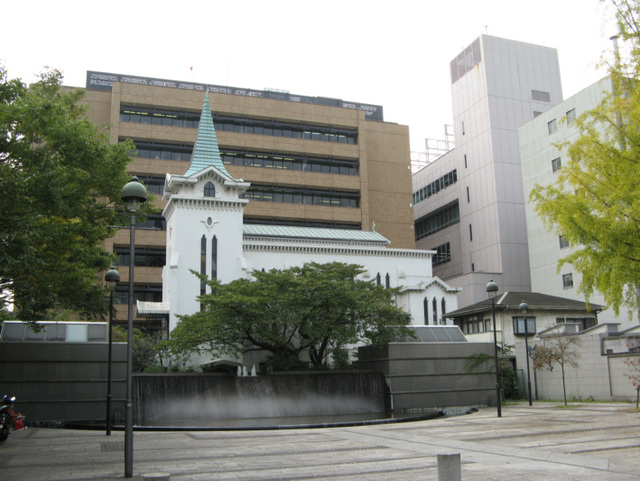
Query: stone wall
[[423, 376], [598, 375], [63, 381]]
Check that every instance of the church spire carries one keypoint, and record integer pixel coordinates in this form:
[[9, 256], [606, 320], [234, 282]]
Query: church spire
[[206, 152]]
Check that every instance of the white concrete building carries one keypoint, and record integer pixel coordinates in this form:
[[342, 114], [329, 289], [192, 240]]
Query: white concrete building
[[206, 234], [541, 161], [469, 204]]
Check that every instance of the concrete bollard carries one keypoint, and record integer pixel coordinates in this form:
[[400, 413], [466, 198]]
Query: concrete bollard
[[449, 467], [157, 476]]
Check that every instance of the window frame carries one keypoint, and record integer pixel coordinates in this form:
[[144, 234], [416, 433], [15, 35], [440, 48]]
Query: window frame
[[519, 325], [567, 281]]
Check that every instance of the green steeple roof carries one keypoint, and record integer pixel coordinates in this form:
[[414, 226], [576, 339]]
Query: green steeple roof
[[206, 152]]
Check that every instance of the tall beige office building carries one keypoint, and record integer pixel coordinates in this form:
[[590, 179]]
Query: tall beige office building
[[311, 161]]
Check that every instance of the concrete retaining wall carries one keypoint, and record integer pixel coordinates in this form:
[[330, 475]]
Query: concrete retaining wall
[[432, 375], [602, 377], [63, 381]]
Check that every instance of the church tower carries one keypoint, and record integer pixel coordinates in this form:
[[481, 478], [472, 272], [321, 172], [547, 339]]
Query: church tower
[[204, 215]]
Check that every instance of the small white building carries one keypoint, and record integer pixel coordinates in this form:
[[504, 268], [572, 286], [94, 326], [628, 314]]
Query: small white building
[[543, 312], [206, 234]]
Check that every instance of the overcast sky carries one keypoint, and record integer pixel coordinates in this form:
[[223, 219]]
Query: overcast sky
[[395, 54]]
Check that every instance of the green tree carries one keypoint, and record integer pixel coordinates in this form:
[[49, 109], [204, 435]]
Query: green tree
[[481, 363], [59, 178], [561, 350], [595, 201], [317, 309], [143, 348]]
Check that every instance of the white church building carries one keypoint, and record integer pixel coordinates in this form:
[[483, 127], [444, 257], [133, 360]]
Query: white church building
[[206, 234]]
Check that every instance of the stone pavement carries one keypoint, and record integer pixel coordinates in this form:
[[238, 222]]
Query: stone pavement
[[542, 442]]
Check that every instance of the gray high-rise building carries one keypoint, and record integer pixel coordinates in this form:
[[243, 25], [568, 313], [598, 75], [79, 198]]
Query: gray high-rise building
[[469, 204]]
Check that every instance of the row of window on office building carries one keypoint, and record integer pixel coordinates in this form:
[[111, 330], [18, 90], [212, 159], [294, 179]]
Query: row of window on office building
[[301, 163], [270, 127], [436, 186]]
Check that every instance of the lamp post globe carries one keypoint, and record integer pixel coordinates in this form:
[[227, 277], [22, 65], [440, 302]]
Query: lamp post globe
[[111, 277], [492, 289], [524, 307], [133, 195], [492, 293]]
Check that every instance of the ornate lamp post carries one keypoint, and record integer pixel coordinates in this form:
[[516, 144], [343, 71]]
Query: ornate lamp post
[[133, 195], [492, 292], [523, 308], [111, 277]]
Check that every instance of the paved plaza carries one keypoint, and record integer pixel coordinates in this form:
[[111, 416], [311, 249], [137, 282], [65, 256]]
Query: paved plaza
[[544, 442]]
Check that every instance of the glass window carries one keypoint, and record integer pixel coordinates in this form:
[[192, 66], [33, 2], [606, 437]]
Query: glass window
[[12, 332], [519, 325], [214, 258], [571, 116], [552, 126], [78, 332], [434, 309], [30, 335], [425, 307], [97, 332], [209, 190], [563, 242], [56, 332], [540, 96], [567, 281], [556, 164]]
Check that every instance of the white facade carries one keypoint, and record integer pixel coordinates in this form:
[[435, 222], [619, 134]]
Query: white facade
[[205, 234], [497, 85], [541, 161], [601, 373]]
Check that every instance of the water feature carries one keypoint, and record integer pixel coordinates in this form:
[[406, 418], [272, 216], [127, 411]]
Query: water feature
[[212, 400]]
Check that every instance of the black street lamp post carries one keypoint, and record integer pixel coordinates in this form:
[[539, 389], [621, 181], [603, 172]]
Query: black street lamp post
[[523, 308], [492, 292], [133, 195], [112, 277]]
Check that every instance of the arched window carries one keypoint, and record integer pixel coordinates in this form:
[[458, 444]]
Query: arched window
[[425, 306], [203, 264], [209, 190], [378, 281], [387, 281], [435, 311], [214, 258], [443, 303]]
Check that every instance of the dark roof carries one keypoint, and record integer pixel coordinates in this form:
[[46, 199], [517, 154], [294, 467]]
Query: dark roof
[[535, 300]]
